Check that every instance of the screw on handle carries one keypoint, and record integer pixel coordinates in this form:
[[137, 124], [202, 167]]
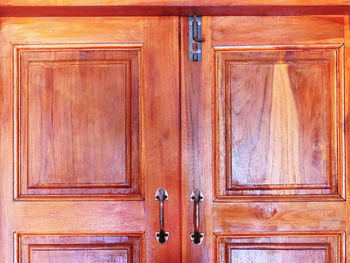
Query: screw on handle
[[162, 237]]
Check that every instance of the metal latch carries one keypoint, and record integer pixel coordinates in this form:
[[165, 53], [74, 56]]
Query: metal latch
[[195, 38]]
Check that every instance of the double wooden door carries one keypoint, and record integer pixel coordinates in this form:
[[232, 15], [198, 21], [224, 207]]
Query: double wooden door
[[99, 113]]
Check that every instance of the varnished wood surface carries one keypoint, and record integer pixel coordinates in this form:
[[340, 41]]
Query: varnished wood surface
[[291, 30], [346, 128], [91, 95], [232, 81], [78, 248], [24, 8], [174, 2], [196, 144], [74, 139], [270, 137], [50, 227], [298, 248]]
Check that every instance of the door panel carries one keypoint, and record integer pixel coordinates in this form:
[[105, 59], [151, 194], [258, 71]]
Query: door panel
[[278, 249], [92, 137], [84, 248], [263, 137], [272, 107], [78, 122]]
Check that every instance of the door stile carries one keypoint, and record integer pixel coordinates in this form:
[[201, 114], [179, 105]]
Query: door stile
[[345, 126], [162, 133], [196, 141]]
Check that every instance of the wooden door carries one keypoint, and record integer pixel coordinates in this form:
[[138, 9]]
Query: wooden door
[[264, 120], [88, 134]]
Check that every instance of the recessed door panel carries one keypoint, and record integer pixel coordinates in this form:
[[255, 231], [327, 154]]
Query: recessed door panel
[[78, 129], [289, 249], [277, 115], [78, 248]]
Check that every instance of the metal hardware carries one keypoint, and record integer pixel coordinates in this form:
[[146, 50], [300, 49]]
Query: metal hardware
[[161, 196], [196, 236], [195, 38]]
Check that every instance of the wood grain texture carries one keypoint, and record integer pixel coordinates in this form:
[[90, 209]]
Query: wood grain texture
[[78, 248], [68, 72], [296, 30], [249, 45], [246, 230], [296, 248], [78, 122], [277, 122], [272, 217], [173, 2], [196, 138], [346, 127], [162, 134], [166, 8], [172, 7]]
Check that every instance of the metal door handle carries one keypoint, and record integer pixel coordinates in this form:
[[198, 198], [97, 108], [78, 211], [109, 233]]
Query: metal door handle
[[196, 236], [161, 196]]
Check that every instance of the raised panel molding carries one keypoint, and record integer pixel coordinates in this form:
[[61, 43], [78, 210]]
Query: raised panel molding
[[77, 122], [281, 248], [55, 248], [278, 131]]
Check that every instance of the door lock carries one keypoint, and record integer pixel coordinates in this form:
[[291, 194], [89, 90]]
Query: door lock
[[195, 38]]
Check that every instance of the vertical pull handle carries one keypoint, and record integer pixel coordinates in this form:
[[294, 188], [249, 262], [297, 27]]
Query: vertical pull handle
[[161, 196], [196, 236]]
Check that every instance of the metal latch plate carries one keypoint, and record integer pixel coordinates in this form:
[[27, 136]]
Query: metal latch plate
[[195, 38]]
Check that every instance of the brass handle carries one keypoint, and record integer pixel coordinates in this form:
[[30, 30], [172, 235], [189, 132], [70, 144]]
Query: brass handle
[[197, 236], [161, 196]]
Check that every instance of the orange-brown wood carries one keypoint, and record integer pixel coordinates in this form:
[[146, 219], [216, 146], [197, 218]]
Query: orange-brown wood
[[263, 138], [346, 128], [196, 144], [276, 248], [169, 9], [88, 135], [75, 139], [92, 126], [172, 7], [82, 248], [173, 2], [270, 137]]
